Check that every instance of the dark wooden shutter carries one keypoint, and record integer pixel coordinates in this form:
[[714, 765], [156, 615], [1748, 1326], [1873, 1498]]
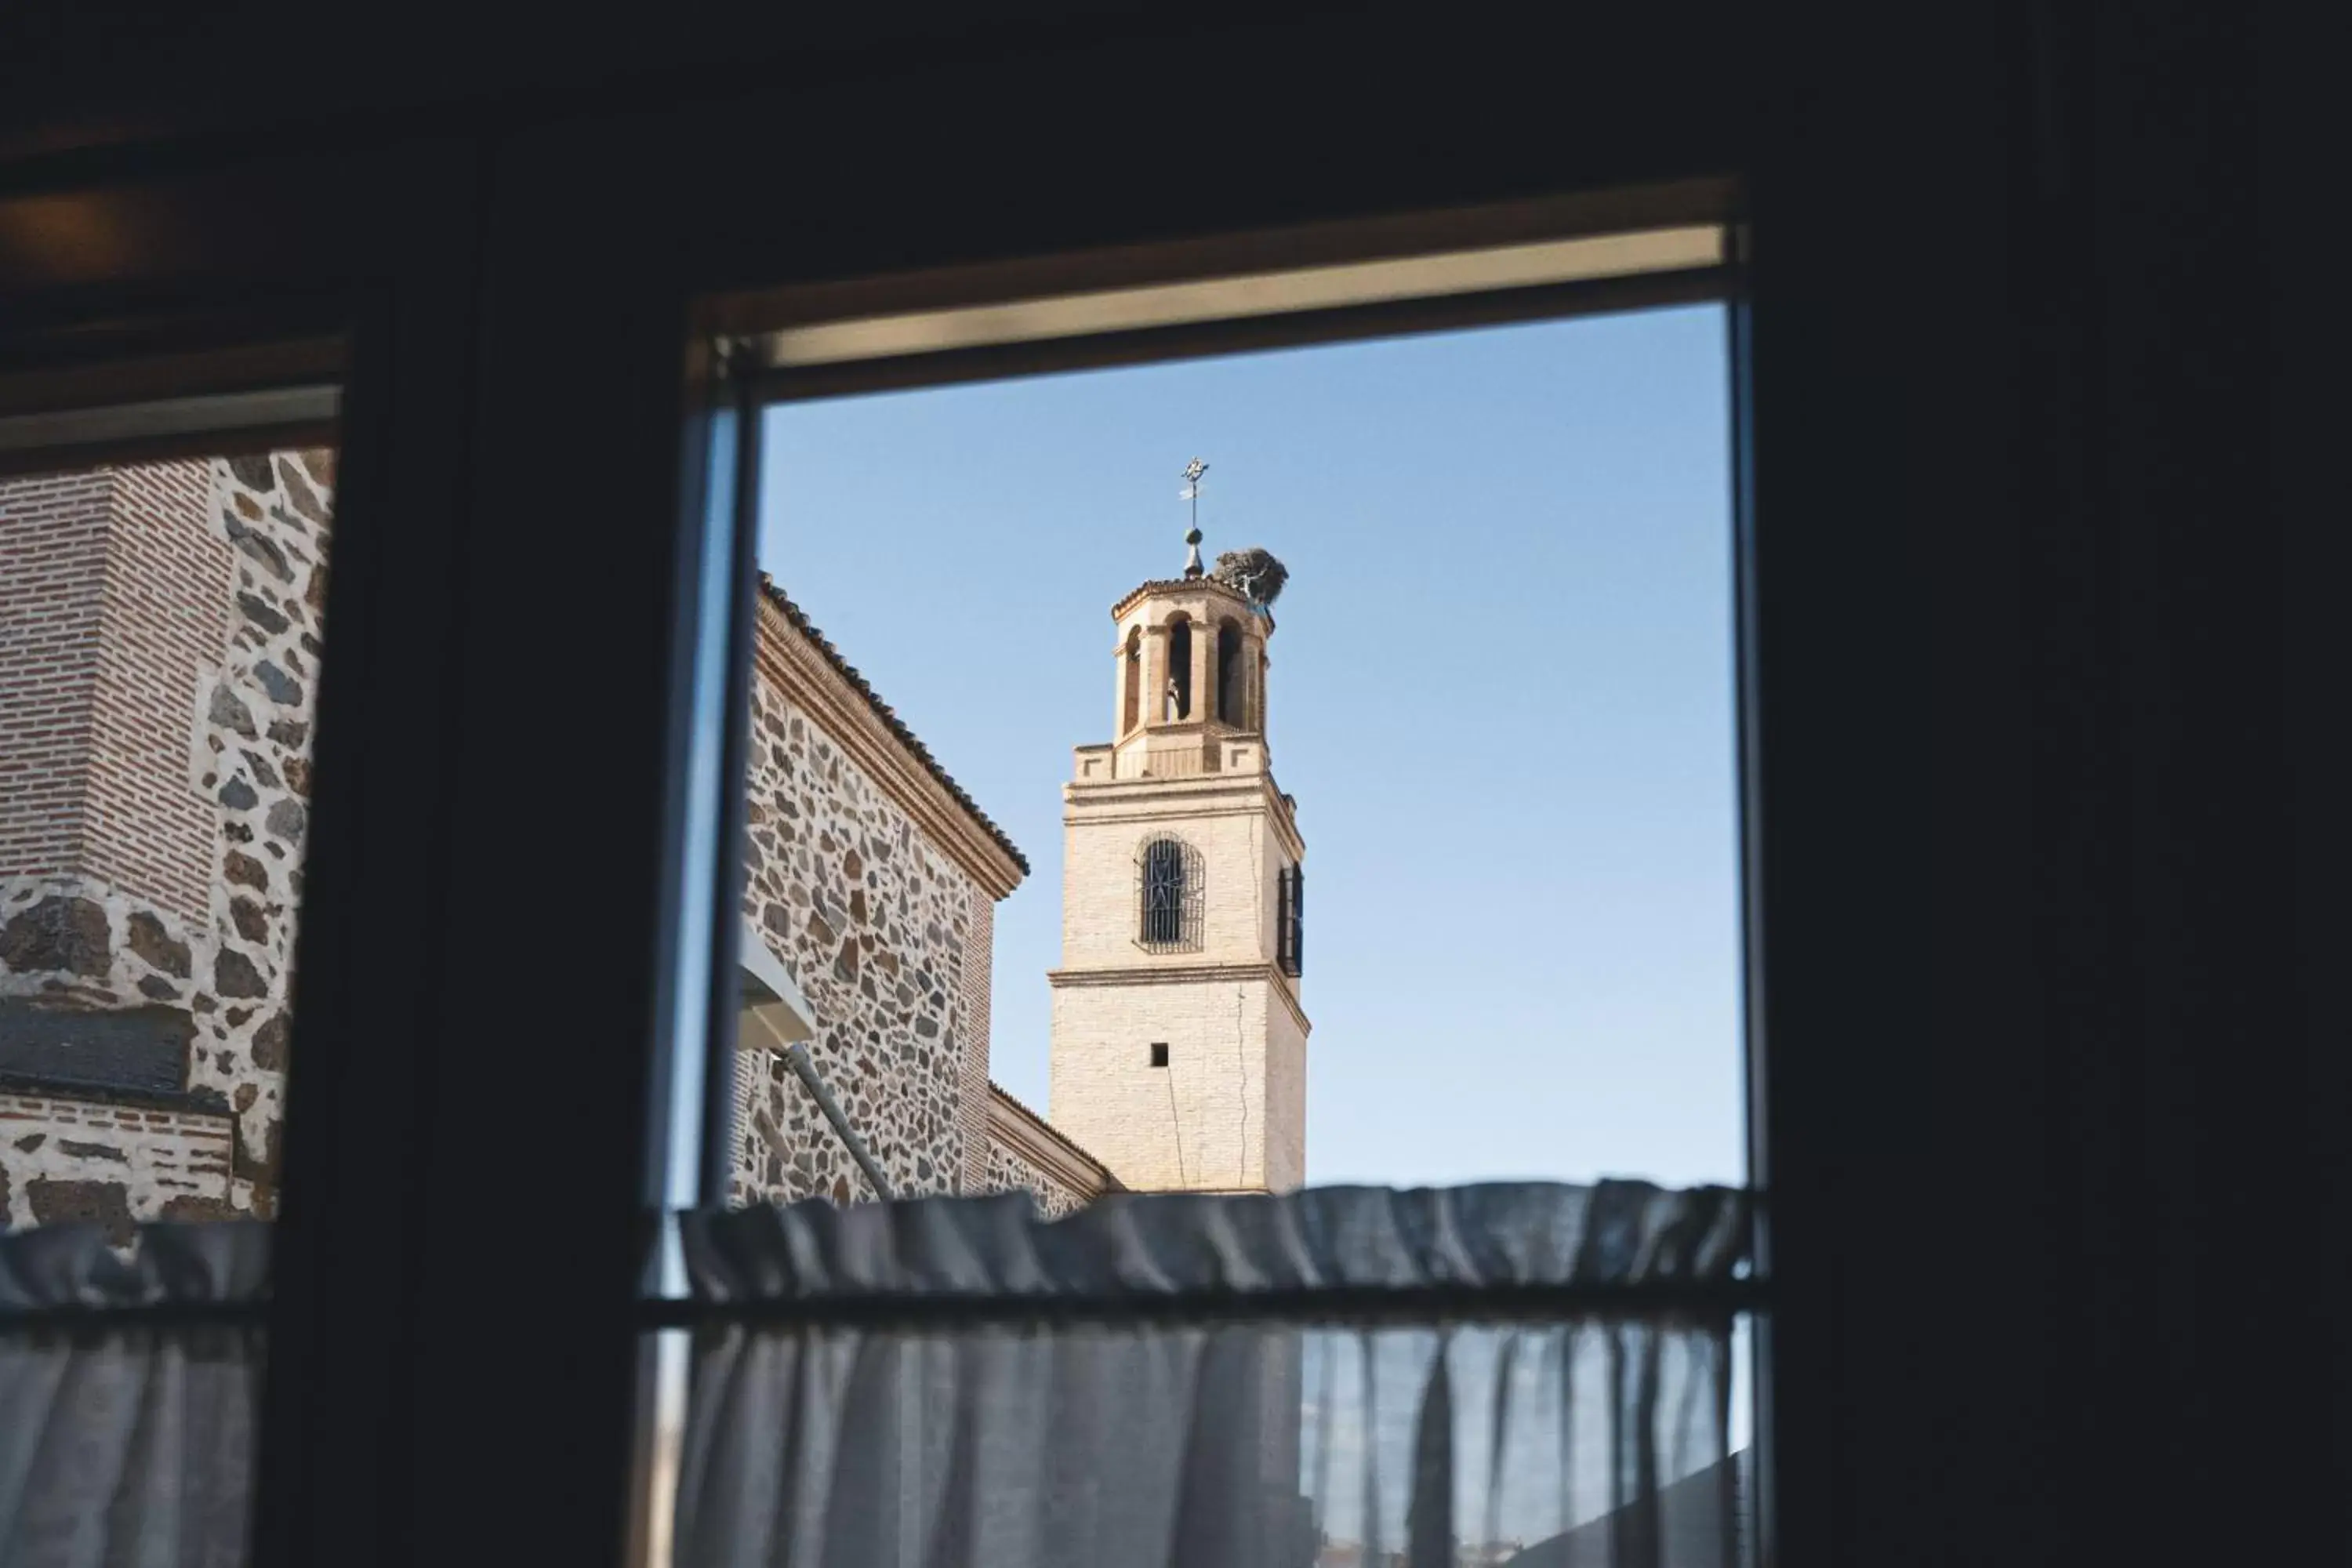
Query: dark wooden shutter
[[1290, 929]]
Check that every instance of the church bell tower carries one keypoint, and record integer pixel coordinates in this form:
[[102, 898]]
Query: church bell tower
[[1179, 1039]]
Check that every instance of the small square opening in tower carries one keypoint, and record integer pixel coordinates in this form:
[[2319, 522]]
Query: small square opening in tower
[[1160, 1053]]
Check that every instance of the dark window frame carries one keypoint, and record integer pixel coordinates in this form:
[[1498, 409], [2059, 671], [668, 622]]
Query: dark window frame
[[1290, 919], [707, 483], [713, 505], [2011, 504]]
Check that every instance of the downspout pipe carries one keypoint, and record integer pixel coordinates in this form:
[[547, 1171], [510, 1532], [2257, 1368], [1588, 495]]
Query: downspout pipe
[[797, 1054]]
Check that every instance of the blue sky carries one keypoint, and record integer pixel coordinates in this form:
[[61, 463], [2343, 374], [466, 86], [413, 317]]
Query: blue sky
[[1501, 692]]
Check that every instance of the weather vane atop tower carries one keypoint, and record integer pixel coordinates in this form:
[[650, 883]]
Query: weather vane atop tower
[[1192, 472]]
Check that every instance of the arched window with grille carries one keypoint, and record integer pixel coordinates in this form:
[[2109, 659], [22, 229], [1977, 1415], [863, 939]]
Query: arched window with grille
[[1167, 897]]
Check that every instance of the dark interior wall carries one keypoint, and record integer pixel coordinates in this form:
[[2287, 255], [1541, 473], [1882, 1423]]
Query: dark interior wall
[[2036, 368], [2300, 128], [115, 75], [2043, 620], [111, 74]]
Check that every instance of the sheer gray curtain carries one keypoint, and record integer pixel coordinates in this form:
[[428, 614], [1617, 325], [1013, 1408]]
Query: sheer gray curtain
[[128, 1443], [1530, 1374]]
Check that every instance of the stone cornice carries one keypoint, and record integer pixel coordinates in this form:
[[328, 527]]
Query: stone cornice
[[794, 659], [1147, 799], [1188, 974], [1162, 728], [1041, 1145]]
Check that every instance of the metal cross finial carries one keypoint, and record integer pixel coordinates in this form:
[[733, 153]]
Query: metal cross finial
[[1192, 472]]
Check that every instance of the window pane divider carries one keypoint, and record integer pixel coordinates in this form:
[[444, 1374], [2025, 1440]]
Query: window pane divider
[[1337, 1305]]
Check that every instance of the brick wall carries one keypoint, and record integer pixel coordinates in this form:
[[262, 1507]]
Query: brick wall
[[52, 589], [164, 624], [168, 878], [116, 604], [1228, 822], [1229, 1110]]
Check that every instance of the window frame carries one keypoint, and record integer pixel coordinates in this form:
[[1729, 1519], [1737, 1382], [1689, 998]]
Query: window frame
[[174, 318], [2045, 631], [388, 884]]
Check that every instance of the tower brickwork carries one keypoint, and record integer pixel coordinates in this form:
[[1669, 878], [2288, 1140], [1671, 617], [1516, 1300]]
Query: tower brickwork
[[1179, 1033]]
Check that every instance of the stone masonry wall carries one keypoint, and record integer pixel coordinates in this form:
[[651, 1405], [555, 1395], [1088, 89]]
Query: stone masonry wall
[[1008, 1171], [1026, 1152], [162, 661], [235, 747], [72, 1159], [872, 922], [978, 976]]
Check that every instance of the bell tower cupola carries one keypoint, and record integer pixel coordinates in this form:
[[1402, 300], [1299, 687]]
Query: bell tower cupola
[[1190, 657]]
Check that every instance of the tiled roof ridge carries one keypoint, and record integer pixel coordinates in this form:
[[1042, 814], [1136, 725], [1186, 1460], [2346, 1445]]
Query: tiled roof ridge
[[799, 621], [1202, 582]]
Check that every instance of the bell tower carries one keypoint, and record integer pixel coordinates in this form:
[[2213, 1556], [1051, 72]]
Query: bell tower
[[1179, 1038]]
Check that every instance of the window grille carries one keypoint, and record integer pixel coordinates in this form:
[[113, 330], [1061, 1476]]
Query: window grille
[[1290, 929], [1167, 897]]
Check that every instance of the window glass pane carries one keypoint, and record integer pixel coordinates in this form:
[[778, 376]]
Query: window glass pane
[[1452, 613], [1449, 615], [161, 641], [160, 637]]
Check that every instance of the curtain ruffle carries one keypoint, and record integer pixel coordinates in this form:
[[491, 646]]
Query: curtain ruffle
[[168, 1264], [1328, 1238]]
